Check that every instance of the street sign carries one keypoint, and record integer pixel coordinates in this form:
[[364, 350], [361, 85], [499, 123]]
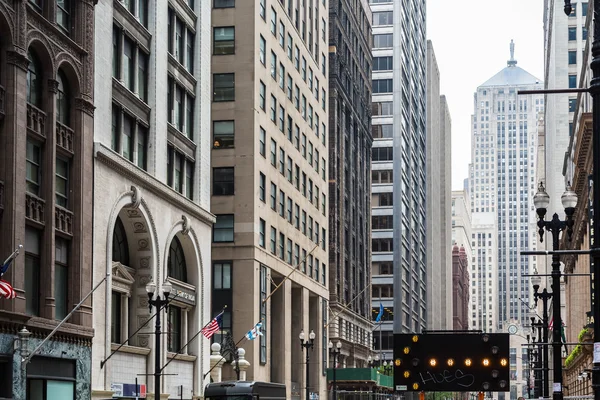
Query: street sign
[[452, 362]]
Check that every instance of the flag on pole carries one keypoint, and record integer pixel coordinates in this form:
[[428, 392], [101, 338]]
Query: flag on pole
[[6, 290], [213, 326], [380, 313], [254, 332], [4, 266]]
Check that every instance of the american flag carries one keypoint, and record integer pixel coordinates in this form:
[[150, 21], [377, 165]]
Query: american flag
[[6, 290], [213, 326]]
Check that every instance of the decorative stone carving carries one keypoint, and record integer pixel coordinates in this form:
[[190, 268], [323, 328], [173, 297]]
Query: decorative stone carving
[[63, 220], [139, 227], [143, 340], [64, 137], [53, 86], [85, 106], [186, 225], [122, 280], [34, 208], [143, 280], [143, 244], [18, 59], [145, 263], [36, 120], [133, 213], [136, 197]]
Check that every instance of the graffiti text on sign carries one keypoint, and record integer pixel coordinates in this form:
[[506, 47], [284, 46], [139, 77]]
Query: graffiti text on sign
[[461, 379]]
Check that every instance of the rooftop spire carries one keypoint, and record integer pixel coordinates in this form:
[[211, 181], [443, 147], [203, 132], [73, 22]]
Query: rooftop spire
[[512, 62]]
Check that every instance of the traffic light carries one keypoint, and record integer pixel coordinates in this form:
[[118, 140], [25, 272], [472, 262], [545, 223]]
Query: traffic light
[[452, 362]]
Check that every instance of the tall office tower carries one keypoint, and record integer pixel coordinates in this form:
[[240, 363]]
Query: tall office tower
[[564, 42], [398, 166], [438, 192], [350, 142], [151, 194], [269, 120], [46, 133], [502, 174], [461, 238]]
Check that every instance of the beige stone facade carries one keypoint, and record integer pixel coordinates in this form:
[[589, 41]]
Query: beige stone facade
[[269, 187]]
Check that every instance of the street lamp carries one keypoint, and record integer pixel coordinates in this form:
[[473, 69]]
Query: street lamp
[[542, 326], [307, 344], [387, 368], [555, 226], [335, 352], [542, 357], [159, 303]]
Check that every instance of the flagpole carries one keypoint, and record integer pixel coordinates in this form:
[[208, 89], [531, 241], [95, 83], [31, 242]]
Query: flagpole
[[193, 337]]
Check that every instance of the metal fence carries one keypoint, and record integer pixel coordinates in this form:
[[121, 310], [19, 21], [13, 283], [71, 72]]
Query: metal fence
[[583, 397], [363, 395]]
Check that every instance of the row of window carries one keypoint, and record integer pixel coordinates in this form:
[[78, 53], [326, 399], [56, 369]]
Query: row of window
[[289, 252], [130, 63]]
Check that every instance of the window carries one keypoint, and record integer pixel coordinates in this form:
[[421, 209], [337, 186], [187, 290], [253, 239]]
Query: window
[[120, 250], [63, 106], [262, 48], [224, 40], [128, 63], [383, 86], [572, 57], [273, 240], [281, 120], [303, 71], [222, 294], [262, 140], [116, 318], [180, 172], [34, 80], [273, 21], [262, 95], [288, 255], [32, 271], [174, 327], [572, 81], [63, 14], [263, 314], [297, 58], [273, 196], [281, 204], [383, 108], [262, 187], [572, 105], [33, 177], [273, 65], [290, 43], [261, 233], [584, 9], [61, 278], [62, 182], [290, 83], [273, 153], [142, 147], [281, 34], [383, 18], [281, 161], [385, 40], [223, 181], [281, 76], [382, 131], [572, 33], [223, 228], [273, 107], [223, 134], [142, 76], [281, 248], [223, 87], [383, 63], [289, 209], [181, 108], [176, 265]]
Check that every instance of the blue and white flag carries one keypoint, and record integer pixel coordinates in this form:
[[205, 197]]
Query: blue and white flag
[[380, 313], [4, 266], [254, 332]]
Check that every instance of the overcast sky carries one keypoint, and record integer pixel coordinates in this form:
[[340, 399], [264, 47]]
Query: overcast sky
[[471, 40]]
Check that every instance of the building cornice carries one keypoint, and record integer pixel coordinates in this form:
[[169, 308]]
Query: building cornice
[[150, 183]]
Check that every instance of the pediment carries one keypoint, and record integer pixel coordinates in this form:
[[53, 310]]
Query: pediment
[[121, 274]]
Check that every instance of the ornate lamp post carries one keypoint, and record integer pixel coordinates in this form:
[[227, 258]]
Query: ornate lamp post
[[157, 302], [307, 344], [387, 368], [542, 358], [555, 226], [335, 352]]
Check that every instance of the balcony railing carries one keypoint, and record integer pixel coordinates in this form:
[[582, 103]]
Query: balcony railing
[[36, 120], [63, 219], [64, 137], [34, 208], [2, 101]]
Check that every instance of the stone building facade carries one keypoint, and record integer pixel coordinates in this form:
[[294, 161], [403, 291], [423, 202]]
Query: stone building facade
[[46, 186], [152, 196], [350, 141], [460, 289]]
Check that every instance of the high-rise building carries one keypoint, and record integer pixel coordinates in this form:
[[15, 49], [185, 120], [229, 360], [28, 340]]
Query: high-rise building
[[461, 240], [438, 193], [502, 185], [269, 187], [350, 142], [151, 194], [398, 167], [46, 196]]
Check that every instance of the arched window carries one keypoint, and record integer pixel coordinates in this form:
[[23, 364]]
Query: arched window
[[63, 103], [120, 248], [176, 262], [34, 80]]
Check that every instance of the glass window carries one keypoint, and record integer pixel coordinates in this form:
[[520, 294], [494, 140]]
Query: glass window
[[261, 233], [224, 40], [223, 134], [63, 106], [223, 228], [262, 89], [63, 14], [120, 246], [385, 40], [223, 181], [572, 33], [32, 271], [572, 81], [34, 80], [128, 63], [383, 85], [189, 55], [143, 76], [383, 63], [262, 142], [383, 18], [61, 278], [223, 3], [176, 264], [262, 184], [223, 87], [116, 325], [62, 182], [33, 167], [262, 48], [572, 57], [174, 328]]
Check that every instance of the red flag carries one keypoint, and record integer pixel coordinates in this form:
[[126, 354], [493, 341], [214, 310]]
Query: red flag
[[213, 326], [6, 290]]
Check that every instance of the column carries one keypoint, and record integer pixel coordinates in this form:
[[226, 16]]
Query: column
[[125, 316], [297, 354]]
